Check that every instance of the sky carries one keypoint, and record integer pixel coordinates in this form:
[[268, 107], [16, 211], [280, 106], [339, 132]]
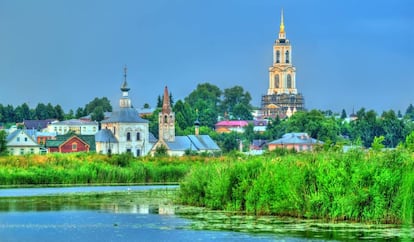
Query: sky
[[348, 54]]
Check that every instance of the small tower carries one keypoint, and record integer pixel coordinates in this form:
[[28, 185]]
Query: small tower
[[125, 102], [166, 119]]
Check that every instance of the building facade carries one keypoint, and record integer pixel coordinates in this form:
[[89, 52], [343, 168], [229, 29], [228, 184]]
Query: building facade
[[282, 98], [125, 131], [19, 142], [77, 126]]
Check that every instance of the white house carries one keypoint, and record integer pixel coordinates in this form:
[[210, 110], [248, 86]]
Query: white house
[[78, 126], [19, 142]]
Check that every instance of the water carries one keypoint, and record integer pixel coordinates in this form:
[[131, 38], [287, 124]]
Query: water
[[140, 213]]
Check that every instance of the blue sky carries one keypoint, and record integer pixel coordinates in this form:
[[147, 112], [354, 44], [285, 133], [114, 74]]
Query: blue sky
[[348, 54]]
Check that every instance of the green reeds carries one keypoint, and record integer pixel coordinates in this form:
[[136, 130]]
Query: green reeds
[[372, 186]]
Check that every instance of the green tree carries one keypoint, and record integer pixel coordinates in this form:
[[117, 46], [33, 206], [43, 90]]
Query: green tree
[[409, 113], [343, 114], [98, 114], [205, 98], [103, 102], [236, 103], [3, 142], [60, 114], [80, 112]]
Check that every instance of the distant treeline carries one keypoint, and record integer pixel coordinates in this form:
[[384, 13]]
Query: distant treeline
[[10, 114]]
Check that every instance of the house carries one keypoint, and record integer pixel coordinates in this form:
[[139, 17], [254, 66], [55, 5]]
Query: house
[[296, 141], [260, 125], [38, 125], [71, 143], [77, 126], [228, 126], [19, 142], [179, 145], [125, 131]]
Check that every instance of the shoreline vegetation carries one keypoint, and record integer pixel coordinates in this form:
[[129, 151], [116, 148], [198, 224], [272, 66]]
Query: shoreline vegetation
[[359, 186]]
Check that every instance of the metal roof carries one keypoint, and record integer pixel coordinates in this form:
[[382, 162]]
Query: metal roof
[[125, 115], [296, 138], [105, 135], [203, 142]]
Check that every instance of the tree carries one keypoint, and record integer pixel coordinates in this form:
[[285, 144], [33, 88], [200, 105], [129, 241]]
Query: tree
[[98, 102], [3, 142], [205, 98], [343, 114], [98, 114], [80, 112], [236, 103], [146, 105], [59, 113], [409, 113]]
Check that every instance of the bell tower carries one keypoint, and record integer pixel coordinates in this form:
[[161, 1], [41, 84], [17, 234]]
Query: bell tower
[[282, 98], [282, 74], [166, 119]]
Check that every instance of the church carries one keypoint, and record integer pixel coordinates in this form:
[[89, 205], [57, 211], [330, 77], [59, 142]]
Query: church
[[179, 145], [125, 131], [282, 97]]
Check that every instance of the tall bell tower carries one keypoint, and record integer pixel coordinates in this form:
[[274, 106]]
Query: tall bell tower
[[282, 74], [282, 97]]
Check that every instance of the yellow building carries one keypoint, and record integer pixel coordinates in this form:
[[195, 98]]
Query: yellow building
[[282, 97]]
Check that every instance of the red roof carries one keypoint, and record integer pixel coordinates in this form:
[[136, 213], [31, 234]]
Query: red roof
[[232, 123]]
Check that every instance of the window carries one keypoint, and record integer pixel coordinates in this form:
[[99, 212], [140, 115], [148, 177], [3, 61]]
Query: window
[[165, 119], [22, 151], [277, 56], [12, 151], [114, 130], [276, 79], [31, 151], [287, 56], [18, 139], [128, 150], [25, 139], [289, 81], [138, 136], [138, 152], [128, 136], [74, 146]]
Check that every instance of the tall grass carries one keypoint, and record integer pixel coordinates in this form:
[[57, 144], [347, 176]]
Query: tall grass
[[89, 169], [370, 186]]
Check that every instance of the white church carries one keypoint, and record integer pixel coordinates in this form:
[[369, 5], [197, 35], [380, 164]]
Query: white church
[[125, 131]]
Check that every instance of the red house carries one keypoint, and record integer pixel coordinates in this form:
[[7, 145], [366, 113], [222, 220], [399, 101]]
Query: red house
[[67, 144]]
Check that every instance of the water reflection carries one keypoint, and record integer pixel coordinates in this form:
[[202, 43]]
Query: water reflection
[[133, 202], [133, 211]]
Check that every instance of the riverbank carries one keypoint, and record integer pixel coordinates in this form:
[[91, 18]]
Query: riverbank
[[359, 186], [362, 186]]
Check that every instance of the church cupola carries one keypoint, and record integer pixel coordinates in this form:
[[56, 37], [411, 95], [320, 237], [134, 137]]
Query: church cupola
[[125, 102]]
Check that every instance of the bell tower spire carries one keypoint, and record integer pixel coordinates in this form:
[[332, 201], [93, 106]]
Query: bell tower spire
[[125, 102], [282, 34]]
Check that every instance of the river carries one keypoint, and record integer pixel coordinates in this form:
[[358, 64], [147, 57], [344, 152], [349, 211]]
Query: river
[[146, 213]]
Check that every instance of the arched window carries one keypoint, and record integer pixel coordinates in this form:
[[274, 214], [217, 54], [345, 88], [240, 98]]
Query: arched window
[[289, 81], [277, 82], [165, 118], [128, 136], [138, 136], [277, 56], [287, 56]]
